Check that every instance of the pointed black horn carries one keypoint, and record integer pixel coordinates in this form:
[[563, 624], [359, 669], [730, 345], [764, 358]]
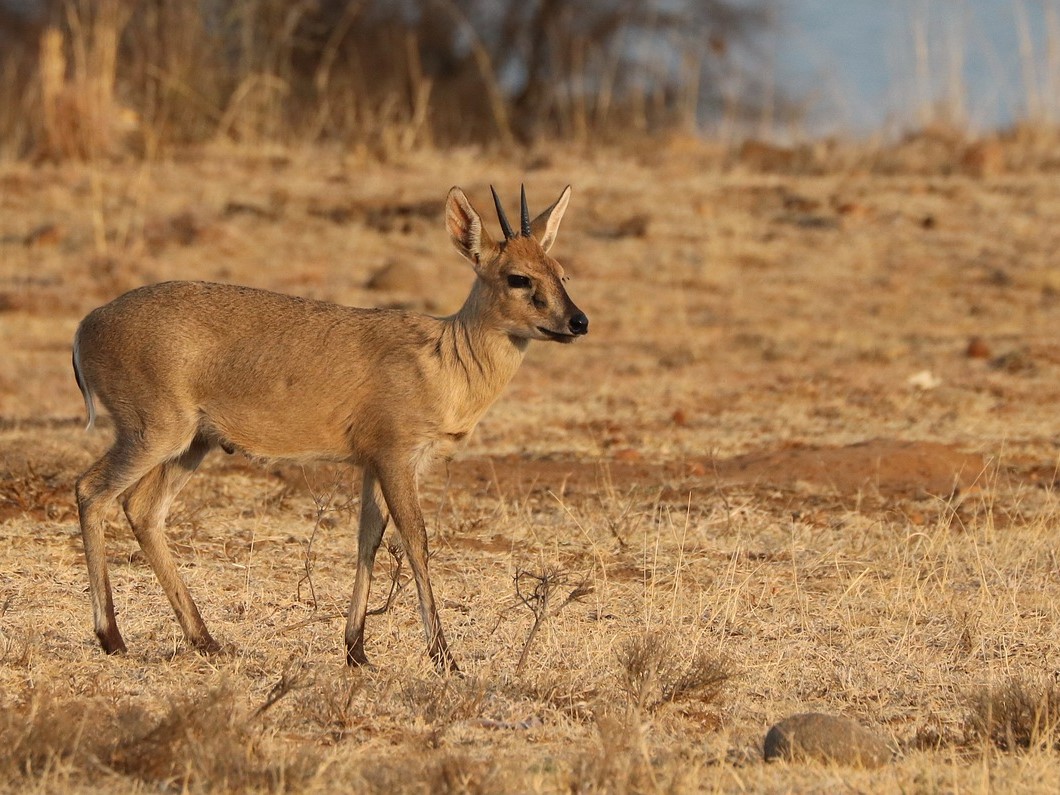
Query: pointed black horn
[[525, 211], [505, 226]]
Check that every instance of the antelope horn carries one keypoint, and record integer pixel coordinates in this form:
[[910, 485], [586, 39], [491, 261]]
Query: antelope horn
[[526, 212], [505, 226]]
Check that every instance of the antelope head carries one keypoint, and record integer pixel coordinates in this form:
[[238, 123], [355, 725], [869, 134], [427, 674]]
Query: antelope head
[[520, 287]]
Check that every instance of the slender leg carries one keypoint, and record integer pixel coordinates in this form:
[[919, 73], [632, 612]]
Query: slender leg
[[97, 488], [146, 505], [374, 517], [399, 490]]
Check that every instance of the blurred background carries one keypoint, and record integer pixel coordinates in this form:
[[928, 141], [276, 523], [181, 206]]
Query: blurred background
[[80, 78], [862, 66]]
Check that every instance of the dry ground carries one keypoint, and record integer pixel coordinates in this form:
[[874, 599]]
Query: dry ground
[[776, 456]]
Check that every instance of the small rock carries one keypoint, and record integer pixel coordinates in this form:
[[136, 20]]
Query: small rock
[[813, 736], [924, 380], [977, 349]]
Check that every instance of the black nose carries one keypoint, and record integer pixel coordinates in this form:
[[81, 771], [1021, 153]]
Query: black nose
[[579, 324]]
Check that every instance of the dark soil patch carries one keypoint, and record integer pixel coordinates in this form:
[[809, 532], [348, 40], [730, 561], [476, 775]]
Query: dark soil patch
[[880, 467]]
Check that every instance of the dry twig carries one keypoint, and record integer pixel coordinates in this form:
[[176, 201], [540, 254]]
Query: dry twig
[[538, 600]]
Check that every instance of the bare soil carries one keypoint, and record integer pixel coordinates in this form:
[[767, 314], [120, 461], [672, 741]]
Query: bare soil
[[809, 450]]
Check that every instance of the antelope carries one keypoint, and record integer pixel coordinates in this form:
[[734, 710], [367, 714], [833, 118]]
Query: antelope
[[184, 367]]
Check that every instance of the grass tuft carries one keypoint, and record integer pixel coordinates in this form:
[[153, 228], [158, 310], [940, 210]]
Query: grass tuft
[[45, 733], [1017, 716], [652, 673], [202, 743]]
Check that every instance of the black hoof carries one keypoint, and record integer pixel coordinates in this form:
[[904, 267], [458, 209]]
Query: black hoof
[[111, 642], [445, 664], [208, 647], [356, 658]]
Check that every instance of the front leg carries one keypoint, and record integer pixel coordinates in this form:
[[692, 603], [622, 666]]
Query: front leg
[[370, 533], [398, 485]]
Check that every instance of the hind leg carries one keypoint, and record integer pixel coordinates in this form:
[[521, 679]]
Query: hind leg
[[146, 505], [97, 489]]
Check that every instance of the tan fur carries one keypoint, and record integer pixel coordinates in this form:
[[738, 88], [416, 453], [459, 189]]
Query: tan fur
[[183, 367]]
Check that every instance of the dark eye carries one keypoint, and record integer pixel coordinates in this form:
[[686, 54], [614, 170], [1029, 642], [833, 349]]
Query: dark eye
[[518, 282]]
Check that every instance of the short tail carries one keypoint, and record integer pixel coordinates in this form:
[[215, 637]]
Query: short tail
[[86, 393]]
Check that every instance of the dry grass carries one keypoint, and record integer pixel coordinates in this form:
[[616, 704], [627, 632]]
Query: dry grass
[[735, 311], [1017, 715], [652, 675], [199, 744]]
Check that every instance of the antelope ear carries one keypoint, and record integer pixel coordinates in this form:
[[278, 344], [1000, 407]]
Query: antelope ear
[[546, 225], [466, 230]]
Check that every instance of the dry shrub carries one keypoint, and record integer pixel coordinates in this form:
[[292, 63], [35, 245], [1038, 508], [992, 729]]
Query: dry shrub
[[44, 732], [198, 740], [113, 76], [616, 765], [429, 772], [1019, 715], [202, 743], [566, 692], [329, 705], [80, 114], [652, 673], [443, 702], [934, 736], [536, 591], [205, 744], [456, 771], [623, 762]]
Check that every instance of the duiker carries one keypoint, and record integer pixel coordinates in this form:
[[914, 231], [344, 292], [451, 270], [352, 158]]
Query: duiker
[[184, 367]]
